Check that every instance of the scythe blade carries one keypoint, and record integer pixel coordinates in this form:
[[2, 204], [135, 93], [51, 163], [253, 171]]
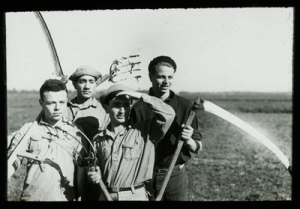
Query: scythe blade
[[218, 111], [58, 69]]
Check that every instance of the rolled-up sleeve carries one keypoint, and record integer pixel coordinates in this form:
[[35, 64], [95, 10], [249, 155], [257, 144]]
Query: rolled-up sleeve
[[197, 136], [164, 116]]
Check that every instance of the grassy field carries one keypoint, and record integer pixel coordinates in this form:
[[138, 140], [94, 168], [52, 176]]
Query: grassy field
[[232, 166]]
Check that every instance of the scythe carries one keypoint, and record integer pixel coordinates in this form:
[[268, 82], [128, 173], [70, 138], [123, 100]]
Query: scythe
[[218, 111]]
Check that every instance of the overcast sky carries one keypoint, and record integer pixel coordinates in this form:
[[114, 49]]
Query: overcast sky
[[216, 50]]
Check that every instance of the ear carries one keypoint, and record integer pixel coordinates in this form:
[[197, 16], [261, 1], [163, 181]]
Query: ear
[[41, 102]]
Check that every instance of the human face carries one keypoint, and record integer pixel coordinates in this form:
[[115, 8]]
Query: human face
[[85, 86], [54, 104], [119, 109], [162, 79]]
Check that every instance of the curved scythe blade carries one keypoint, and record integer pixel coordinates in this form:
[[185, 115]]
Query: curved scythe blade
[[58, 69], [214, 109]]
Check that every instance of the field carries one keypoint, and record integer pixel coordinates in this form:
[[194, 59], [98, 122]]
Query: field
[[233, 166]]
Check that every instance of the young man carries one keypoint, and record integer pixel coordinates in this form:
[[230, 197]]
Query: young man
[[86, 111], [60, 144], [161, 74], [125, 152]]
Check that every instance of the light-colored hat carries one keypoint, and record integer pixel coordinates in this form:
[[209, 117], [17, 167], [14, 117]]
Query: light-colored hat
[[113, 90], [85, 70]]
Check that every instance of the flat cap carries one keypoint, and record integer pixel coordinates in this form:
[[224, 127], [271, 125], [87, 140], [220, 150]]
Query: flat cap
[[112, 91], [162, 59], [85, 70]]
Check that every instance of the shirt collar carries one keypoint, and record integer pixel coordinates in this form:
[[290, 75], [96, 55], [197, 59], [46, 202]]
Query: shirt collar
[[167, 100], [107, 132], [59, 123], [90, 102]]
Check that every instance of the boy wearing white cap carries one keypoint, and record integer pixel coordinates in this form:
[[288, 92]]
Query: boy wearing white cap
[[125, 152]]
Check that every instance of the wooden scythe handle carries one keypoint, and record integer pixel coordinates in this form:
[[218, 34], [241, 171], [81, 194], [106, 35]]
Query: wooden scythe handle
[[102, 186], [197, 106]]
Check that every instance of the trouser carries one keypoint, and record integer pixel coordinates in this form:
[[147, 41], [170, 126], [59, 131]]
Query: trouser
[[176, 189], [93, 192], [136, 195]]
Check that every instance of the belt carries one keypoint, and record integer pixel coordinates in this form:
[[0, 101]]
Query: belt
[[176, 167], [123, 189]]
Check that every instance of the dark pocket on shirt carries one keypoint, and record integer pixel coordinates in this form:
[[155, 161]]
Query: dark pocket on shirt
[[131, 152]]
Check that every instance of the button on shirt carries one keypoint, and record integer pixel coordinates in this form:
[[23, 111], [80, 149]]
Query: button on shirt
[[128, 158], [166, 147], [60, 150], [90, 116]]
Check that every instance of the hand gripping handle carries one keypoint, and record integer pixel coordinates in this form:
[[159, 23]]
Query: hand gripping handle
[[102, 186], [196, 107]]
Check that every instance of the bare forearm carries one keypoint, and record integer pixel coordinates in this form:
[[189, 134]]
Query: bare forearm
[[193, 145]]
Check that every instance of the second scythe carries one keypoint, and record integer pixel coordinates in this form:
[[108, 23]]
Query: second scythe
[[207, 106]]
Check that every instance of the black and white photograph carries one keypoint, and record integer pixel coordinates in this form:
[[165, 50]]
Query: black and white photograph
[[191, 104]]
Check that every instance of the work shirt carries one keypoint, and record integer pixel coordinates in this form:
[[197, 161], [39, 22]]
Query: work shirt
[[60, 149], [128, 158], [92, 118], [166, 147], [90, 115]]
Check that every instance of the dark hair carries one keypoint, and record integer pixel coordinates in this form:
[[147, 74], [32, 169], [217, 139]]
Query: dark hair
[[52, 85], [153, 68], [161, 60]]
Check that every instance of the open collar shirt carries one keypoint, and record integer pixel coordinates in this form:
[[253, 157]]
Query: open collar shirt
[[166, 147], [128, 158], [60, 145]]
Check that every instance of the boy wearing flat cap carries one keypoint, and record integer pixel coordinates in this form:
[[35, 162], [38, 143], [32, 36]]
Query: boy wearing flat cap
[[161, 74], [125, 152], [85, 110]]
